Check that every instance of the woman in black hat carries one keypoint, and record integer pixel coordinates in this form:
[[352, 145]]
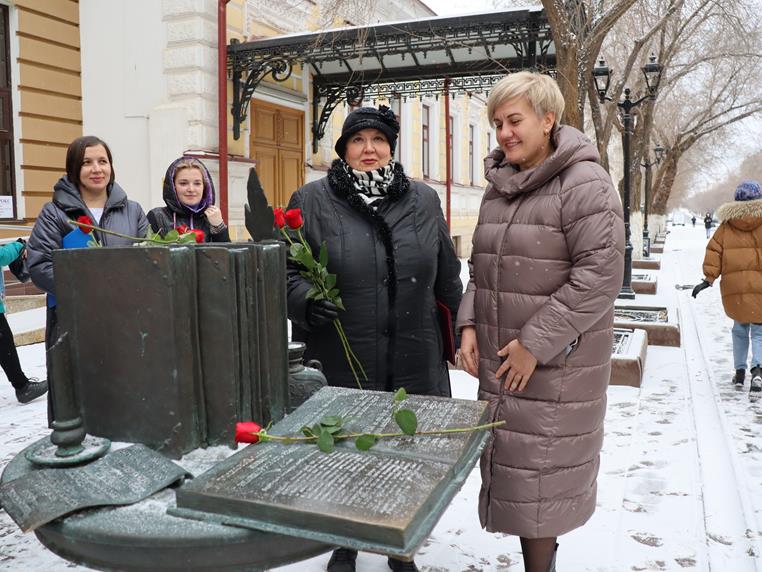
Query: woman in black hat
[[391, 251]]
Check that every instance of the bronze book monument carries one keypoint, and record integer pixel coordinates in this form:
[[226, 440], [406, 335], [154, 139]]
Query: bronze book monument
[[169, 347], [385, 500]]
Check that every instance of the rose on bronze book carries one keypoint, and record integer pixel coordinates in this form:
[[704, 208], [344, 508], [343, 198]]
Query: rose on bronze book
[[180, 235], [330, 429]]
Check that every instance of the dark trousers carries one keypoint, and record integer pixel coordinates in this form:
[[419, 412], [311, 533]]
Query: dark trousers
[[51, 336], [9, 357]]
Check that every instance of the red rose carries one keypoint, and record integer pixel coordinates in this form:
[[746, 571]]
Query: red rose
[[294, 218], [199, 235], [244, 432], [280, 218], [182, 229], [84, 219]]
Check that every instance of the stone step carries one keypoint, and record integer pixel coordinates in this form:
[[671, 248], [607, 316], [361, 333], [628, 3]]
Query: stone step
[[28, 326], [22, 302]]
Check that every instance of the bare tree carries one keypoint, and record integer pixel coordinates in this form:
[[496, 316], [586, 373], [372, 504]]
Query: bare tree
[[710, 87], [579, 28]]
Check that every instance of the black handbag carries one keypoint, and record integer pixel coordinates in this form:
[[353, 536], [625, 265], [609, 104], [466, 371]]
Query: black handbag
[[19, 268]]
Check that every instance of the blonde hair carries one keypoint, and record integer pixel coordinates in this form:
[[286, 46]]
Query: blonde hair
[[189, 163], [541, 90]]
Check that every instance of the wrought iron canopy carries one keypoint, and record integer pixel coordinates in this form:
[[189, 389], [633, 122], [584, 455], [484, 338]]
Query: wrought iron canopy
[[453, 54]]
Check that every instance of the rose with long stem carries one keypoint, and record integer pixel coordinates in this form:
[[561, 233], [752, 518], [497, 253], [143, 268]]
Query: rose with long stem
[[263, 436], [198, 235], [317, 274]]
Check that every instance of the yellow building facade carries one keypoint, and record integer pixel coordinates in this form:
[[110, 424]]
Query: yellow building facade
[[43, 104]]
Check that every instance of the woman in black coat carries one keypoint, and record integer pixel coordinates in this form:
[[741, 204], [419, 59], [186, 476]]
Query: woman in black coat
[[393, 257]]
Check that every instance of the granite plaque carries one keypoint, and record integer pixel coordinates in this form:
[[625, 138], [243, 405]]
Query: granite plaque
[[121, 477], [384, 500]]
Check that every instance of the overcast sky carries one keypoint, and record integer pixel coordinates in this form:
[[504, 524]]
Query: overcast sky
[[449, 7]]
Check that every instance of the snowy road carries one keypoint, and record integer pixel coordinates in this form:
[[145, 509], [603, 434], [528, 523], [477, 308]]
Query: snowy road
[[681, 472]]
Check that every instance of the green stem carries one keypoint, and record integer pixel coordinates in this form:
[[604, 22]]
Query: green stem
[[267, 437], [318, 282], [357, 360], [114, 233], [285, 233], [347, 350]]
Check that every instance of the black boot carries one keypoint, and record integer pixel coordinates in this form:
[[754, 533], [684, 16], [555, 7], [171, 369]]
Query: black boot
[[739, 377], [31, 390], [401, 565], [342, 560], [755, 388]]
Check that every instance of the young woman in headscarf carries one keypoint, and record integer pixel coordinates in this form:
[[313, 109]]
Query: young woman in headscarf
[[189, 199]]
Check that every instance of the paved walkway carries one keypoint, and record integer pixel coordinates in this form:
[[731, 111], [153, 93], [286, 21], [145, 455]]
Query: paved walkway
[[681, 467]]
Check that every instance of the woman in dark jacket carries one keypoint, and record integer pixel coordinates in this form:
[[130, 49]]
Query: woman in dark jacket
[[87, 189], [189, 196], [391, 251]]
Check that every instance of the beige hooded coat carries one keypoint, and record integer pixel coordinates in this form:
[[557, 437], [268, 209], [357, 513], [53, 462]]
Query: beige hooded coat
[[735, 252], [546, 267]]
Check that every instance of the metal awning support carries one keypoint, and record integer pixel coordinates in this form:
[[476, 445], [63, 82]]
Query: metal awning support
[[399, 59]]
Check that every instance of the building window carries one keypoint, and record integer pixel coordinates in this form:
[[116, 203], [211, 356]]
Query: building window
[[7, 166], [425, 167], [471, 137], [396, 107]]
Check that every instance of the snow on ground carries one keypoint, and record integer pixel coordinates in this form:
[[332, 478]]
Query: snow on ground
[[681, 468]]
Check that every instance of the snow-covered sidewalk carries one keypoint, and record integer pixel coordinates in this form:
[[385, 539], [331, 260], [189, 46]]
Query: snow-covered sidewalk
[[681, 467]]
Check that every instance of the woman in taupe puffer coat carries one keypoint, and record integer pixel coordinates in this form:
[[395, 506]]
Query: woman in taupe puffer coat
[[536, 319]]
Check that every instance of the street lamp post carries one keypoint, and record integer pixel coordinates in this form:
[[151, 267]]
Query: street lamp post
[[602, 76], [659, 154]]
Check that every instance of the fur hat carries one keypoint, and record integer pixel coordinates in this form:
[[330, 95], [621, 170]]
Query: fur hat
[[382, 119], [748, 191]]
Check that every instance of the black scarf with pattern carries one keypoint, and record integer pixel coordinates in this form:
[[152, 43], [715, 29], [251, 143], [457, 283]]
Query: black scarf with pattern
[[341, 182]]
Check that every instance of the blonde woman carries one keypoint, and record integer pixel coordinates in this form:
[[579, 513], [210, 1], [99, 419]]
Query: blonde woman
[[189, 199], [536, 319]]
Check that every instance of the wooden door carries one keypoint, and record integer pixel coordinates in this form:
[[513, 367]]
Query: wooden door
[[277, 145]]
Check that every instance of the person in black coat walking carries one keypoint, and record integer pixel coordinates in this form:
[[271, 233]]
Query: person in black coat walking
[[708, 222], [393, 257], [189, 196]]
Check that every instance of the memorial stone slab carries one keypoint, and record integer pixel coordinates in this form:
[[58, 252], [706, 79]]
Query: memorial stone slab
[[628, 357], [660, 322], [644, 283], [122, 477], [650, 263], [384, 500]]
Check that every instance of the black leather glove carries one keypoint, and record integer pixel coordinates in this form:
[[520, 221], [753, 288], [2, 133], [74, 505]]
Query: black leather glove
[[699, 287], [320, 312], [21, 240]]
